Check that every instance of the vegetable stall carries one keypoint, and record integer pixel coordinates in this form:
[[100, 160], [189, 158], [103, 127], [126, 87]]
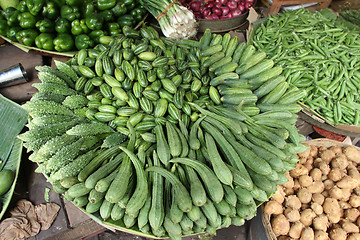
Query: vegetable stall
[[159, 131]]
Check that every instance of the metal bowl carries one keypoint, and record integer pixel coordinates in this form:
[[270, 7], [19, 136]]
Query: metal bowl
[[222, 25]]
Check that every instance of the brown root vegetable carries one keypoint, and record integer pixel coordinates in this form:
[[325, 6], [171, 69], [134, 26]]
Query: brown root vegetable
[[302, 160], [305, 180], [338, 234], [284, 238], [324, 167], [307, 234], [289, 191], [354, 173], [335, 174], [305, 206], [317, 208], [321, 223], [296, 229], [279, 195], [346, 193], [352, 214], [305, 154], [304, 195], [297, 185], [335, 192], [293, 202], [313, 151], [273, 207], [309, 165], [292, 215], [328, 184], [290, 183], [354, 200], [332, 209], [325, 193], [321, 235], [317, 162], [307, 216], [349, 227], [347, 182], [318, 198], [316, 174], [280, 225], [336, 149], [354, 236], [299, 170], [340, 162], [316, 187], [344, 205], [327, 155], [358, 221], [352, 154]]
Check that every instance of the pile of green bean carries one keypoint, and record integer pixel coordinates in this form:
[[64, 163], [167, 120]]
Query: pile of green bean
[[317, 55]]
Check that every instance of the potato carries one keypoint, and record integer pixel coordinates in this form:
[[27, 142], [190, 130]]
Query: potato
[[316, 174], [332, 209], [321, 223], [307, 216], [328, 184], [317, 162], [305, 180], [313, 151], [335, 174], [299, 170], [304, 195], [347, 182], [279, 195], [327, 155], [296, 229], [316, 187], [321, 148], [336, 149], [349, 227], [321, 235], [354, 200], [305, 154], [337, 234], [302, 160], [354, 236], [297, 185], [317, 208], [324, 167], [280, 225], [346, 193], [284, 238], [352, 154], [308, 165], [290, 183], [307, 234], [292, 214], [293, 202], [340, 162], [318, 198], [354, 173], [273, 207], [335, 192], [352, 214], [357, 191], [344, 205], [358, 221], [325, 193], [305, 206], [289, 191]]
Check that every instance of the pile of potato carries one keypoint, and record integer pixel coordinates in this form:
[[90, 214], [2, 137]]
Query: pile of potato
[[321, 200]]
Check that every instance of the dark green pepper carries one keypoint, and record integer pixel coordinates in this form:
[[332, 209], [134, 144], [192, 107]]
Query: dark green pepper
[[4, 28], [45, 41], [11, 15], [74, 2], [22, 7], [35, 6], [11, 33], [45, 26], [107, 15], [83, 41], [59, 3], [62, 25], [51, 11], [119, 9], [113, 28], [126, 20], [105, 4], [27, 36], [79, 27], [137, 14], [87, 8], [94, 21], [96, 34], [27, 20], [69, 13], [63, 42]]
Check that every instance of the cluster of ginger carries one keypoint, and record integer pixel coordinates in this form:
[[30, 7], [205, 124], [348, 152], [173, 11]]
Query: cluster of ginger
[[321, 200]]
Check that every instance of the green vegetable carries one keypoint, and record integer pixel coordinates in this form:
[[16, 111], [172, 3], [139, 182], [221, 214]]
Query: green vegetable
[[22, 7], [35, 6], [79, 27], [83, 41], [26, 20], [105, 4], [45, 41], [69, 13], [27, 36], [94, 21], [11, 15], [6, 180], [62, 25], [63, 42], [50, 10], [45, 26]]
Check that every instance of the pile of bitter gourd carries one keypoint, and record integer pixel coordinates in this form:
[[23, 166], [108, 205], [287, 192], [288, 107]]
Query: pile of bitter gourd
[[164, 137]]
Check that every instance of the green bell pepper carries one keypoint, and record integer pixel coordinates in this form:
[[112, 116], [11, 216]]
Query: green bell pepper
[[22, 6], [27, 20], [105, 4], [51, 11], [138, 14], [87, 8], [119, 9], [74, 2], [59, 3], [63, 42], [45, 41], [11, 15], [45, 26], [107, 15], [126, 20], [35, 6], [3, 26], [79, 27], [96, 34], [113, 28], [27, 36], [11, 33], [69, 13], [62, 25], [83, 41], [94, 21]]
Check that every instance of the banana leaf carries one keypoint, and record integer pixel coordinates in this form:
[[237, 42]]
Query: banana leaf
[[12, 120], [12, 163]]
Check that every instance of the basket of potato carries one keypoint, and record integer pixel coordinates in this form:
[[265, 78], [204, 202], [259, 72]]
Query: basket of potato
[[321, 200]]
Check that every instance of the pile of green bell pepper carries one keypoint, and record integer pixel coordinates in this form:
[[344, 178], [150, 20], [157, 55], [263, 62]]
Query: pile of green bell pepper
[[66, 25]]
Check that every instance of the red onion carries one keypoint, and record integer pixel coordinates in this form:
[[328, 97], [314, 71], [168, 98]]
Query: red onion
[[223, 17], [230, 15], [195, 6], [250, 1], [210, 5], [225, 11], [214, 16], [241, 8], [208, 17], [218, 5], [236, 12], [232, 5], [217, 11], [206, 12], [248, 5], [223, 2], [201, 9]]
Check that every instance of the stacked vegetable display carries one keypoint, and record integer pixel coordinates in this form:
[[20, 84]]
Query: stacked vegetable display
[[321, 199], [66, 25], [320, 57], [162, 137]]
